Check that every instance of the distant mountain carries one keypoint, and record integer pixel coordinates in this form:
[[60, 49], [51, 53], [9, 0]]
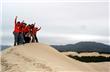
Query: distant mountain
[[4, 47], [84, 47]]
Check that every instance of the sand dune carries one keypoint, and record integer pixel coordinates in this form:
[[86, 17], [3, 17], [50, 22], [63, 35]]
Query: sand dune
[[42, 58], [98, 66]]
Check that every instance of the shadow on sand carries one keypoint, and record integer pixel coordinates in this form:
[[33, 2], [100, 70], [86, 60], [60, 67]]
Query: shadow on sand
[[89, 59]]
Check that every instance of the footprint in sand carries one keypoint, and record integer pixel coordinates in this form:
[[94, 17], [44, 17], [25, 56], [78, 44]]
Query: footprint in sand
[[7, 67], [43, 66]]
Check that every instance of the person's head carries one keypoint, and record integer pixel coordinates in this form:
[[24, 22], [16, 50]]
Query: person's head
[[18, 22], [32, 25], [36, 27], [29, 26], [24, 24]]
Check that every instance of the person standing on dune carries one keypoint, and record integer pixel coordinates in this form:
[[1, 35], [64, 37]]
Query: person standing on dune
[[21, 34], [27, 33], [34, 33], [16, 32]]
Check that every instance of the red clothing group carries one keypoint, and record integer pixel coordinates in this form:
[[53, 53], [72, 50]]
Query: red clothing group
[[24, 33], [22, 27]]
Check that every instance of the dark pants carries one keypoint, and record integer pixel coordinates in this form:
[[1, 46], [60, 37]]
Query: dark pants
[[27, 37], [16, 38], [21, 38], [36, 38]]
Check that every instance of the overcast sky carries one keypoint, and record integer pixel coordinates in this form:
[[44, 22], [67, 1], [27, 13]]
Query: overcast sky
[[68, 20]]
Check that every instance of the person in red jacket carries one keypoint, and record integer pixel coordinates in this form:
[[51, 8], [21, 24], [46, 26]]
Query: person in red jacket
[[27, 34], [21, 33], [16, 32], [34, 32]]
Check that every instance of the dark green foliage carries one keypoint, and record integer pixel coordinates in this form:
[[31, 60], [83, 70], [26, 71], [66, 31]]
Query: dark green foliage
[[91, 58]]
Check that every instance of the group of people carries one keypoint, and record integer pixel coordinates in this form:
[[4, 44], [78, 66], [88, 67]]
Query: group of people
[[24, 33]]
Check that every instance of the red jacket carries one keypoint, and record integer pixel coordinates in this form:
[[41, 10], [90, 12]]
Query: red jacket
[[34, 30], [26, 29], [21, 27], [16, 28]]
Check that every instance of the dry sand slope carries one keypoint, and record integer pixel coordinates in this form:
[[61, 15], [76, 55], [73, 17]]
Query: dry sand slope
[[40, 58]]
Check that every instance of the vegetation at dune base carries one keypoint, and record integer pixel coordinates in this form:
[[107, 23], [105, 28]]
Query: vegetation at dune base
[[91, 58]]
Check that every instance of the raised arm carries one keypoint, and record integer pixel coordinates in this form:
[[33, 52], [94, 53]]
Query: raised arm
[[16, 19], [34, 23], [39, 29]]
